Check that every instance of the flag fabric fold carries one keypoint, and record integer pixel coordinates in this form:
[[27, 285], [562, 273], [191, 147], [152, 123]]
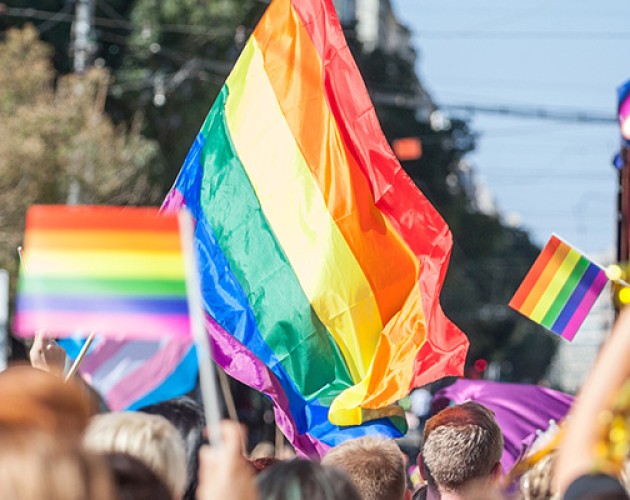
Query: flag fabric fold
[[321, 262]]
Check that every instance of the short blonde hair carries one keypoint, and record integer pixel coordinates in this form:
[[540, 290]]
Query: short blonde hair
[[150, 438], [537, 482], [374, 464], [461, 444]]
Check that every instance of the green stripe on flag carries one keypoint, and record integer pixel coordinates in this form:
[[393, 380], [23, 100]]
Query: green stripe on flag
[[565, 293], [283, 313], [36, 285]]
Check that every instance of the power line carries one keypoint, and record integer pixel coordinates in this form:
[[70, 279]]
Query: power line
[[522, 35], [61, 16], [563, 115]]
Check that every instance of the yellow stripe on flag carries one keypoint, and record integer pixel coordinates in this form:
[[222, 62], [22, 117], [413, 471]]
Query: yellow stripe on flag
[[544, 280], [559, 279], [297, 213]]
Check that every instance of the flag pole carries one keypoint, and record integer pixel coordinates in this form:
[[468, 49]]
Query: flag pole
[[207, 377], [79, 359]]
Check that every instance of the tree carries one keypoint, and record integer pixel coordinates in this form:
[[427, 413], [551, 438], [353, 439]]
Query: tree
[[56, 139]]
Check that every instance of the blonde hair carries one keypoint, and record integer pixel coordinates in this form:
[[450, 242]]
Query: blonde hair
[[374, 464], [537, 482], [149, 438], [36, 465], [461, 443]]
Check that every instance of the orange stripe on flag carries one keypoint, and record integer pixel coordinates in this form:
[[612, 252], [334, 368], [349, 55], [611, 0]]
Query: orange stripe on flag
[[534, 273], [543, 282], [388, 263]]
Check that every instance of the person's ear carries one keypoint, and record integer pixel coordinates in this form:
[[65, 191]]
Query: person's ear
[[496, 472], [408, 495], [420, 463]]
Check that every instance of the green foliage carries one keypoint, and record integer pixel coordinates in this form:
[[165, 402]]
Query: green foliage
[[57, 136]]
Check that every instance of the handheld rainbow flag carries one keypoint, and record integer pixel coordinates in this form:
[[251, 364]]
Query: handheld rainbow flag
[[321, 261], [560, 289], [114, 271]]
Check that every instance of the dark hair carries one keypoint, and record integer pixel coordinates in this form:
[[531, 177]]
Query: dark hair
[[301, 479], [187, 416], [134, 479]]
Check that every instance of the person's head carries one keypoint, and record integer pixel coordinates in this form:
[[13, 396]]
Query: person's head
[[35, 464], [187, 417], [462, 445], [134, 479], [35, 399], [374, 464], [150, 438], [305, 480]]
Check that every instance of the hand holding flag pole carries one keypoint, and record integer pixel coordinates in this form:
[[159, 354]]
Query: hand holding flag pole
[[122, 272]]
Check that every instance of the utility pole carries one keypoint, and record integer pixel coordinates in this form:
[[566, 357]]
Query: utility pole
[[82, 46], [82, 51]]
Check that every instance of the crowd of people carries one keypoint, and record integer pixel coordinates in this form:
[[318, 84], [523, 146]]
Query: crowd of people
[[59, 444]]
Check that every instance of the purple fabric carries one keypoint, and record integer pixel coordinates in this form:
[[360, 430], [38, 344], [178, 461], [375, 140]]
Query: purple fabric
[[520, 409]]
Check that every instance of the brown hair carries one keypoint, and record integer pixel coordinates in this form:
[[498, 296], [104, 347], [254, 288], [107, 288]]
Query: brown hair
[[374, 464], [34, 399], [461, 444], [36, 465]]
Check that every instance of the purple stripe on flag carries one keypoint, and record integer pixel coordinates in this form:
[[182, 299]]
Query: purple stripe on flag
[[592, 271], [241, 364], [115, 304], [585, 306]]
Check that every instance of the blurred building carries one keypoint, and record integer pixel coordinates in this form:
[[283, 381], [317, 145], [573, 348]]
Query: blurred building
[[574, 359], [376, 27]]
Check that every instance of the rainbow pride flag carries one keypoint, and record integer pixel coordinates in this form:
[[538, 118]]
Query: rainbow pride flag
[[321, 262], [560, 289], [109, 270]]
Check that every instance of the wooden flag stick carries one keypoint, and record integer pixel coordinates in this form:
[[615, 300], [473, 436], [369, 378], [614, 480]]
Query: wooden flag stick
[[227, 396], [207, 378], [82, 354]]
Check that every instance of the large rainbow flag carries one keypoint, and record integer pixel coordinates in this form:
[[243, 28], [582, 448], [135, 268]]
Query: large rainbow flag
[[322, 263], [560, 288]]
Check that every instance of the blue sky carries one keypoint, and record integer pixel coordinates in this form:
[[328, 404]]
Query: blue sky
[[552, 54]]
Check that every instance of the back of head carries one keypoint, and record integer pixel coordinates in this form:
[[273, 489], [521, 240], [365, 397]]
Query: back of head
[[374, 464], [149, 438], [305, 480], [36, 465], [462, 444], [34, 399], [134, 479], [187, 416]]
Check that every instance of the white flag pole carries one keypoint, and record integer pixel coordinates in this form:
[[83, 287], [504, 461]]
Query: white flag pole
[[207, 377]]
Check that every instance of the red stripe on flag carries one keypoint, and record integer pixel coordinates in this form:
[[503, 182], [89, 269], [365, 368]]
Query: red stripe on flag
[[534, 273]]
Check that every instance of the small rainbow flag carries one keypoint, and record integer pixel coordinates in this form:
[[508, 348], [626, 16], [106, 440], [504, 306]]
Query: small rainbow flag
[[109, 270], [560, 289]]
